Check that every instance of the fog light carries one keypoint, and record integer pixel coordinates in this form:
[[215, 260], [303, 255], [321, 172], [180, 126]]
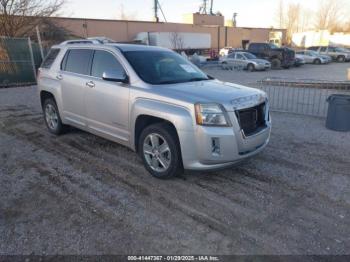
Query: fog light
[[215, 146]]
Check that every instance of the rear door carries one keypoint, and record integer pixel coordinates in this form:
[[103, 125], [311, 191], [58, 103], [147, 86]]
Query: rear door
[[74, 72], [107, 103]]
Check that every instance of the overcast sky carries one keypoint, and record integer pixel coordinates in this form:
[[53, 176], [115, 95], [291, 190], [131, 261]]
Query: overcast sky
[[251, 13]]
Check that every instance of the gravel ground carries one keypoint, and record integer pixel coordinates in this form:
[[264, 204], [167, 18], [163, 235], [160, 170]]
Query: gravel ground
[[80, 194]]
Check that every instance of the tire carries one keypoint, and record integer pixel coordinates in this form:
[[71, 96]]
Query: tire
[[275, 63], [160, 164], [317, 61], [251, 67], [52, 117], [341, 59]]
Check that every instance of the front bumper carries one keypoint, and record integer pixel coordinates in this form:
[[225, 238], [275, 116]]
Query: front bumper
[[234, 146], [262, 66]]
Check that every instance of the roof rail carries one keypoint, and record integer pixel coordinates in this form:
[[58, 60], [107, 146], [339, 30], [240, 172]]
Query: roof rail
[[90, 40]]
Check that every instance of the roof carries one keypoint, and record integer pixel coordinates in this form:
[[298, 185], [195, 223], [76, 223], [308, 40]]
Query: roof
[[122, 47]]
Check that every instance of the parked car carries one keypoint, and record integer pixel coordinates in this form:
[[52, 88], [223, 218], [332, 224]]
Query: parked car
[[299, 60], [155, 102], [338, 54], [245, 61], [312, 57], [277, 56]]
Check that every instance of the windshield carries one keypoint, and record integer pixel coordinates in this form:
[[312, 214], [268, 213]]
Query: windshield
[[163, 67], [273, 46], [249, 56]]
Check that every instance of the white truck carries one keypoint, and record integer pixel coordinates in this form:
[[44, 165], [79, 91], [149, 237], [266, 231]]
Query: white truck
[[176, 40]]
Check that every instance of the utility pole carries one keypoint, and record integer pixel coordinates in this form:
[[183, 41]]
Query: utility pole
[[156, 18]]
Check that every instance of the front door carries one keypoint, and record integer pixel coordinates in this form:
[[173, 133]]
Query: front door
[[107, 102]]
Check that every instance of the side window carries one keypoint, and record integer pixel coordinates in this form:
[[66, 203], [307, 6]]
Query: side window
[[331, 49], [77, 61], [104, 61], [239, 56], [323, 49], [252, 47], [50, 58], [232, 55]]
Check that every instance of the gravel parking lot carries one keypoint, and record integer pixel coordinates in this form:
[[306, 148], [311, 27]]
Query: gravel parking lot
[[80, 194], [332, 71]]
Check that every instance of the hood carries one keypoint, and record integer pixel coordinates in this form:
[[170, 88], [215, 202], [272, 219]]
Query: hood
[[213, 91], [257, 60]]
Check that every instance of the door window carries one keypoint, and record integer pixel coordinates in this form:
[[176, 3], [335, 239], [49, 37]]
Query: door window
[[104, 61], [77, 61], [239, 56], [323, 49]]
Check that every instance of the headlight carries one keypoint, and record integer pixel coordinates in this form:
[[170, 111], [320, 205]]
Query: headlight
[[210, 115]]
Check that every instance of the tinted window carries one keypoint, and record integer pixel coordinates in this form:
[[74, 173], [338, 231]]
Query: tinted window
[[232, 55], [331, 49], [77, 61], [50, 58], [323, 49], [253, 47], [163, 67], [104, 61]]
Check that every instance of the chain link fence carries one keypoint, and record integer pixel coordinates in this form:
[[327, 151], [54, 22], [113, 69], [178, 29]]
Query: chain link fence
[[19, 60]]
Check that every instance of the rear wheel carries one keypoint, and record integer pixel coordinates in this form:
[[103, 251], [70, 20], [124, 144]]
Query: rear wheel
[[275, 63], [52, 117], [160, 151]]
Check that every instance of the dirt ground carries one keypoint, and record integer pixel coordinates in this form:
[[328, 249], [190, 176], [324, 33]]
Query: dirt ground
[[80, 194]]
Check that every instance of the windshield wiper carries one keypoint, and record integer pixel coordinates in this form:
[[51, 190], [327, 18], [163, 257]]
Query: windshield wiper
[[198, 79]]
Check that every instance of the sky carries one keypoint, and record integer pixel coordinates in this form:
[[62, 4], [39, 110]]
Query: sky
[[251, 13]]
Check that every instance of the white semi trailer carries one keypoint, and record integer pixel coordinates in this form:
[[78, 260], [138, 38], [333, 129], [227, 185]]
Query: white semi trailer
[[176, 40]]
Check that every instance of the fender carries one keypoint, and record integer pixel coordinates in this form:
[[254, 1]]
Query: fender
[[52, 86], [179, 116]]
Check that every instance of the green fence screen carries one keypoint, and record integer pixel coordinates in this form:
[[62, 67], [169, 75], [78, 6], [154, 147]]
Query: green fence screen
[[16, 66]]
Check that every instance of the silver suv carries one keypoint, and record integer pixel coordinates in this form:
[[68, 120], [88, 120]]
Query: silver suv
[[338, 54], [155, 102]]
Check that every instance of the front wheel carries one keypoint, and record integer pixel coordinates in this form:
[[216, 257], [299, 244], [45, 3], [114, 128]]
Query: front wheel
[[275, 63], [317, 61], [341, 59], [160, 151], [251, 67]]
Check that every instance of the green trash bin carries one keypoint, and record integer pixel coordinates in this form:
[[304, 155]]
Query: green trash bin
[[338, 115]]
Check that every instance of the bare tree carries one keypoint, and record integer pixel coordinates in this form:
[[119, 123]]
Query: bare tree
[[19, 17], [292, 20], [177, 41], [329, 15], [280, 14], [122, 15]]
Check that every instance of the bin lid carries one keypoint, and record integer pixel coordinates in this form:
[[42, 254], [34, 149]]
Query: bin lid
[[339, 99]]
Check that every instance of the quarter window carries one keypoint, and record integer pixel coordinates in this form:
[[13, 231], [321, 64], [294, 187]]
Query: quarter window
[[50, 58], [77, 61], [104, 61]]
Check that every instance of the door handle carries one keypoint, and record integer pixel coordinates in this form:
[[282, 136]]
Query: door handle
[[90, 84], [59, 77]]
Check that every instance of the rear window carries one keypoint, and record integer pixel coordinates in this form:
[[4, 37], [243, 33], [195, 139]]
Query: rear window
[[50, 58], [77, 61]]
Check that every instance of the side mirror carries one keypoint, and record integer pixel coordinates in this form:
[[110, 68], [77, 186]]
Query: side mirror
[[115, 76]]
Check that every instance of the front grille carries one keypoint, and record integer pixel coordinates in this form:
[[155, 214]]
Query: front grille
[[252, 120]]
